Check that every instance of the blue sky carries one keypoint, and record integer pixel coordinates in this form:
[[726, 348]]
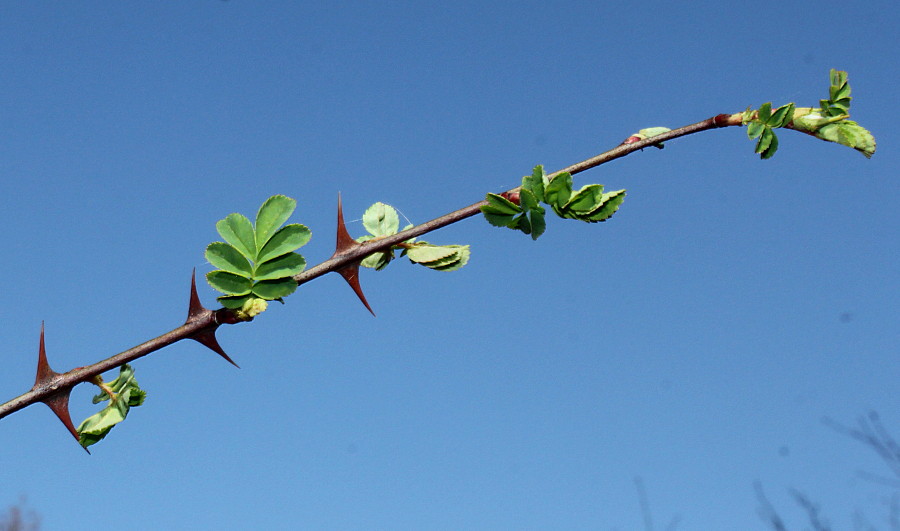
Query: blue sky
[[695, 341]]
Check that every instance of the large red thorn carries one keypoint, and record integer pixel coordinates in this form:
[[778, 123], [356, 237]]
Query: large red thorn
[[58, 402], [207, 337], [346, 243]]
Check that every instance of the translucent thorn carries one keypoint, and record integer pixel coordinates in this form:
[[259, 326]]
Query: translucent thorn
[[207, 337], [345, 243], [58, 402]]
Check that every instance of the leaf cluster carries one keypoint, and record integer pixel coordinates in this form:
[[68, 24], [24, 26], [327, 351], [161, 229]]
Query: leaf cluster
[[382, 220], [122, 393], [257, 262], [762, 124], [523, 211], [829, 121]]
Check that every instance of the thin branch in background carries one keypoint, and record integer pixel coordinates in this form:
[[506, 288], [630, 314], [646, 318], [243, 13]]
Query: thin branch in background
[[645, 508], [766, 511], [18, 519], [645, 503], [812, 511], [871, 432]]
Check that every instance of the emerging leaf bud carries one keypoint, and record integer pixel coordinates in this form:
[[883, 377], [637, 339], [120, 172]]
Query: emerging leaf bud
[[251, 308]]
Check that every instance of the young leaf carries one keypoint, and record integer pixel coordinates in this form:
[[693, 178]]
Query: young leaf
[[538, 224], [127, 394], [377, 261], [237, 230], [227, 258], [609, 205], [782, 115], [557, 193], [423, 254], [770, 141], [754, 129], [272, 214], [274, 289], [462, 258], [534, 183], [288, 239], [851, 134], [497, 204], [497, 220], [284, 266], [234, 302], [229, 283], [765, 112], [381, 220], [586, 199]]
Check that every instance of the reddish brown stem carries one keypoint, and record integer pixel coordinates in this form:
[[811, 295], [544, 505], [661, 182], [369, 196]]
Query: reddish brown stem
[[202, 323]]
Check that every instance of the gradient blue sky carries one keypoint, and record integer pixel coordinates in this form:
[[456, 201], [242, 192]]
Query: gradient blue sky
[[695, 341]]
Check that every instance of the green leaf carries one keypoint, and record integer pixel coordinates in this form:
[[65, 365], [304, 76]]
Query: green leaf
[[538, 224], [381, 220], [226, 257], [498, 204], [127, 395], [754, 129], [527, 200], [286, 265], [234, 302], [462, 255], [272, 214], [586, 199], [288, 238], [497, 220], [557, 193], [782, 116], [771, 144], [274, 289], [229, 283], [522, 223], [765, 112], [237, 230], [423, 254], [851, 134], [378, 261], [608, 207], [534, 183]]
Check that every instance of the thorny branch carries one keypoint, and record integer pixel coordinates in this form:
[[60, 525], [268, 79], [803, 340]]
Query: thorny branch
[[53, 388]]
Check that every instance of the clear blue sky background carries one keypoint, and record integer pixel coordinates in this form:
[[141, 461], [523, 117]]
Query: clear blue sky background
[[695, 341]]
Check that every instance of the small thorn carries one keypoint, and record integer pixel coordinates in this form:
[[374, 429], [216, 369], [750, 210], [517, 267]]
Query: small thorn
[[194, 307], [206, 337], [344, 241], [344, 244], [44, 372], [351, 275], [58, 402]]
